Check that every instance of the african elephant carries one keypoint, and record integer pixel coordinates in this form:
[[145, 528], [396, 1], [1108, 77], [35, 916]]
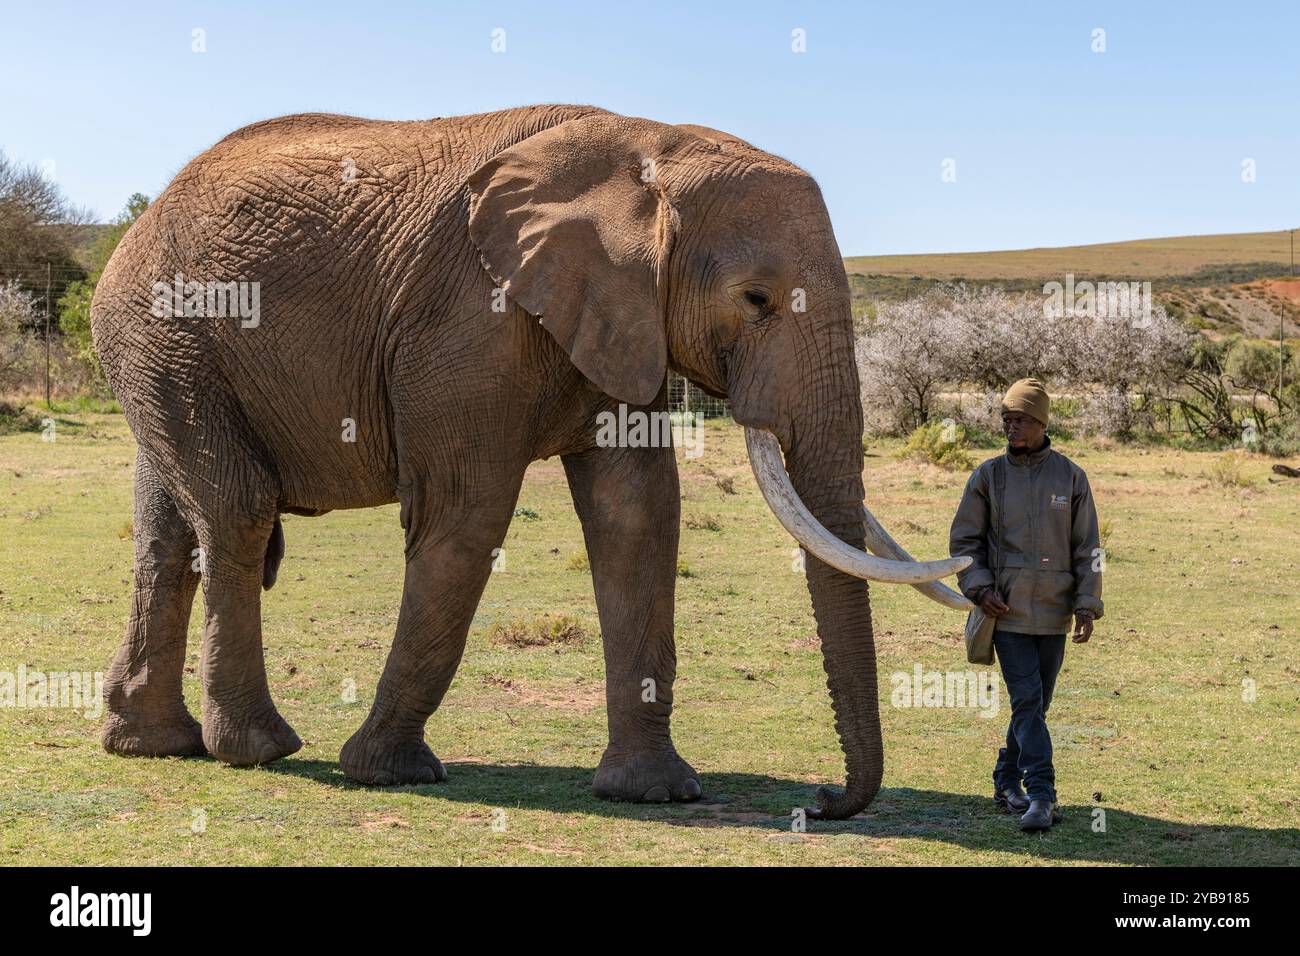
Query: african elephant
[[470, 293]]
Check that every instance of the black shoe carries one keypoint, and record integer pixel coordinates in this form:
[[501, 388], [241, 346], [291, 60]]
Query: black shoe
[[1040, 816], [1011, 798]]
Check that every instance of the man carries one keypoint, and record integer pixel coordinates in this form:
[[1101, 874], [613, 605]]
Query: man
[[1028, 523]]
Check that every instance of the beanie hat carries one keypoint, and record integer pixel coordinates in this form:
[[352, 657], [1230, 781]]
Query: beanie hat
[[1028, 396]]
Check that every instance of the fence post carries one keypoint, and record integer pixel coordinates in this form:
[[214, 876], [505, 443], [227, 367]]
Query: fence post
[[48, 403]]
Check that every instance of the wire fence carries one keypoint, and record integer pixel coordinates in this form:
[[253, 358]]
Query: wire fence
[[685, 397], [47, 282]]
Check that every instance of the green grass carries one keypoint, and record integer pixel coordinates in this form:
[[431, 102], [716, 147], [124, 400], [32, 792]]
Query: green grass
[[1149, 721]]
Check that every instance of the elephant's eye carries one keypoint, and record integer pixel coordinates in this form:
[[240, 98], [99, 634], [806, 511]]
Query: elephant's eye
[[757, 299]]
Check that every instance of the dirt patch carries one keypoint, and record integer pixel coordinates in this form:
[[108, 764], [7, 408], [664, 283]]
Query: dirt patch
[[577, 697], [386, 822], [1288, 289], [722, 819], [551, 850]]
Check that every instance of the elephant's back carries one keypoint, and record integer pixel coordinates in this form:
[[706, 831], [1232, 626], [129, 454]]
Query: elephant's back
[[329, 214], [297, 195], [340, 230]]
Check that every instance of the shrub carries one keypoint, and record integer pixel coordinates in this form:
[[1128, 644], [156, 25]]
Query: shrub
[[702, 523], [940, 443], [1227, 471], [544, 631], [1111, 413], [1252, 364], [981, 417], [1210, 404], [1282, 440], [16, 418]]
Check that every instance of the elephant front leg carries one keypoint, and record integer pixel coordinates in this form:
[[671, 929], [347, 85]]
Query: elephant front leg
[[627, 500], [449, 561]]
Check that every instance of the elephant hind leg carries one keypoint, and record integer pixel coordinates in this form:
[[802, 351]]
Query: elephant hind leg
[[241, 725], [145, 704]]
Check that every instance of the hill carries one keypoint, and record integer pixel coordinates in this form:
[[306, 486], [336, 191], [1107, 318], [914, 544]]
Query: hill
[[1221, 284]]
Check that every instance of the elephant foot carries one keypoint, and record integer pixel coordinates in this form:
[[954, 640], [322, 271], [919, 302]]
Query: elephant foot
[[144, 734], [381, 760], [646, 777], [241, 738]]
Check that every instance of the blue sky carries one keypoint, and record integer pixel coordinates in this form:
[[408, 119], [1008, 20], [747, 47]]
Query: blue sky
[[1053, 144]]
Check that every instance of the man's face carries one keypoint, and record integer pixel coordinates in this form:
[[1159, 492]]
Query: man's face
[[1024, 432]]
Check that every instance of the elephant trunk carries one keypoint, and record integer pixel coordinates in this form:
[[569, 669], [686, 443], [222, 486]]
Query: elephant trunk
[[816, 493], [824, 461]]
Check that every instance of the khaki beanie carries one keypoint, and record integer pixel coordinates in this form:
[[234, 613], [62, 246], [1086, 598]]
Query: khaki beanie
[[1028, 396]]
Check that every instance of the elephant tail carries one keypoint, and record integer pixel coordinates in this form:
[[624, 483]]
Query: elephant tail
[[274, 555]]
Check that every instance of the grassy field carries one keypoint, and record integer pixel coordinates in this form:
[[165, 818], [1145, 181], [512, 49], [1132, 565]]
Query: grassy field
[[1150, 724], [1141, 258]]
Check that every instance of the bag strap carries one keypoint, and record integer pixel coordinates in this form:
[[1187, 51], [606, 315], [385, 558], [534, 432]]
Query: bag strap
[[999, 496]]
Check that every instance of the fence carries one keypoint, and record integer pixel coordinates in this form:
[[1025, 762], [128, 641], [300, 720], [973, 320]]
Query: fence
[[685, 397]]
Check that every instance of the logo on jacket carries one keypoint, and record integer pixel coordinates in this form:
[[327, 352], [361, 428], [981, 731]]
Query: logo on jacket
[[1059, 501]]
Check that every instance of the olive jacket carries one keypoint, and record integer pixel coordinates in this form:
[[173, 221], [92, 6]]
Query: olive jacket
[[1029, 525]]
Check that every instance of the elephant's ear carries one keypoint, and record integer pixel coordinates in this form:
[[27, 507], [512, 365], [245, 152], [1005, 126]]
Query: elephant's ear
[[573, 224]]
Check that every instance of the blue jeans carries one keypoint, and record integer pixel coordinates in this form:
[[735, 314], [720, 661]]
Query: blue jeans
[[1030, 663]]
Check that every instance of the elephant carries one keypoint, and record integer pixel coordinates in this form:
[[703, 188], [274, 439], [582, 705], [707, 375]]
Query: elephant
[[467, 295]]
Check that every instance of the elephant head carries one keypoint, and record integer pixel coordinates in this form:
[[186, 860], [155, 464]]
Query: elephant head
[[641, 246]]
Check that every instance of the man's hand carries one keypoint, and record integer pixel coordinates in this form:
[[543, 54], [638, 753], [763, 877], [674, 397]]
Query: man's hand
[[991, 602], [1082, 627]]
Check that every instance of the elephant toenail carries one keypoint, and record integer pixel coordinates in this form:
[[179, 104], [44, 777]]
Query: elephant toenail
[[383, 779], [657, 794], [691, 789]]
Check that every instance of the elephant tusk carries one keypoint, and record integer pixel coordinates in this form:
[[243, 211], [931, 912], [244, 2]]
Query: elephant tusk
[[773, 480], [879, 542]]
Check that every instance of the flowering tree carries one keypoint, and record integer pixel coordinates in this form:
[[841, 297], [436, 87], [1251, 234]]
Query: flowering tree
[[904, 356], [988, 338], [17, 349]]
